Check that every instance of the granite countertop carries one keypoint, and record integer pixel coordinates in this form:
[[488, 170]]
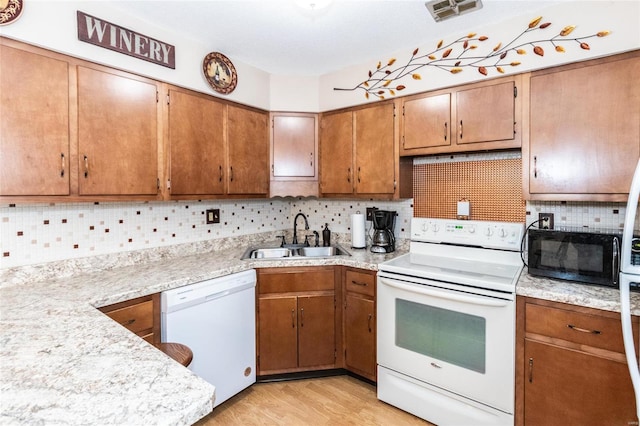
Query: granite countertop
[[64, 362], [591, 296]]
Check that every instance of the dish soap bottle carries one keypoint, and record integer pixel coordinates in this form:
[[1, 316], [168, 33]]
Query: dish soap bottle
[[326, 236]]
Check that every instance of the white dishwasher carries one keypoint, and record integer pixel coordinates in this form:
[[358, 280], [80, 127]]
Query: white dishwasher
[[216, 319]]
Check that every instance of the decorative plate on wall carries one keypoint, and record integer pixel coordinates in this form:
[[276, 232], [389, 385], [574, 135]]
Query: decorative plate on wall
[[10, 10], [219, 72]]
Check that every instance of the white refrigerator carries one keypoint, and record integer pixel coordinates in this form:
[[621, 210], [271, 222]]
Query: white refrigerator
[[630, 276]]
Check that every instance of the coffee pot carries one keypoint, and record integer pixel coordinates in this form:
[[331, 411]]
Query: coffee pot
[[383, 240]]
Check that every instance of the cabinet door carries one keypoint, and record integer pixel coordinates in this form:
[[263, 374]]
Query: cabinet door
[[196, 144], [485, 114], [360, 337], [375, 156], [426, 122], [585, 129], [294, 146], [316, 332], [248, 146], [336, 153], [117, 134], [34, 124], [568, 387], [278, 333]]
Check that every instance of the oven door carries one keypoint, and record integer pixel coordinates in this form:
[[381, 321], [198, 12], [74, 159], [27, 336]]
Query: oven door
[[451, 339]]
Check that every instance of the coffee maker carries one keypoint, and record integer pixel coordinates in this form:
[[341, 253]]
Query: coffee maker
[[383, 239]]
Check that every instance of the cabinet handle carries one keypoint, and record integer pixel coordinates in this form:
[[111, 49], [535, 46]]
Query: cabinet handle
[[349, 175], [293, 318], [129, 322], [301, 317], [460, 129], [445, 131], [231, 173], [369, 322], [535, 166], [358, 174], [311, 159], [583, 330], [86, 167], [530, 370], [220, 179], [62, 164], [358, 283]]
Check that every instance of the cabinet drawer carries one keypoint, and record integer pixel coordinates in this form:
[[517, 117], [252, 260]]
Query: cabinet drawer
[[360, 282], [296, 280], [592, 330], [136, 318]]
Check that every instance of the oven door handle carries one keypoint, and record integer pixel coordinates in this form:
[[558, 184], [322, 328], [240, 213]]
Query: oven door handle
[[449, 295]]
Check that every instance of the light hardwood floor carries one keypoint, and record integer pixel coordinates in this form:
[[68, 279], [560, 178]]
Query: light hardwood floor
[[339, 400]]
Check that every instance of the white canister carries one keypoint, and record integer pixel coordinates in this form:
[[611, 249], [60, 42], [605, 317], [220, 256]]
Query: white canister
[[358, 233]]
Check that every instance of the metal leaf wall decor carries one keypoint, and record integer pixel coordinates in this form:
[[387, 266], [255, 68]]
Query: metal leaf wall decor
[[458, 55]]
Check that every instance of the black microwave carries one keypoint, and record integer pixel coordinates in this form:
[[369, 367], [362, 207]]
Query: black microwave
[[575, 255]]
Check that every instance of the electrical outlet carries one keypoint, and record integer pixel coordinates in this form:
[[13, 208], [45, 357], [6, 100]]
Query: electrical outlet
[[213, 216], [370, 211], [546, 220]]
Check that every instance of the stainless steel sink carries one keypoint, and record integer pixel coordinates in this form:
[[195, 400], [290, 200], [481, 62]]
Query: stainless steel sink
[[321, 251], [293, 253], [268, 253]]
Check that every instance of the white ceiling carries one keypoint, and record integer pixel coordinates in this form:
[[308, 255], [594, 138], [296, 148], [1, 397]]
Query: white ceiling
[[280, 37]]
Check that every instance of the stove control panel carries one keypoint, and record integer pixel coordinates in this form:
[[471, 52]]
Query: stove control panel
[[497, 235]]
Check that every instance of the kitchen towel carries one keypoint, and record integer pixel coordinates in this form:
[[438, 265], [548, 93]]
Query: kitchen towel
[[357, 231]]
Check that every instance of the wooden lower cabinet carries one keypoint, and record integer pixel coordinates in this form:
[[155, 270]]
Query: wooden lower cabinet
[[140, 316], [360, 322], [297, 322], [572, 367]]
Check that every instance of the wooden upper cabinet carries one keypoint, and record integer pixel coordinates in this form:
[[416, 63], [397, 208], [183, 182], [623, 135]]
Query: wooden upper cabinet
[[486, 113], [427, 121], [336, 153], [375, 171], [117, 133], [473, 117], [359, 154], [196, 144], [294, 145], [248, 147], [584, 137], [34, 123], [294, 154]]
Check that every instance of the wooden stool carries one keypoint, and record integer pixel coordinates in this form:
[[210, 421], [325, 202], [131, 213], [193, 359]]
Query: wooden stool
[[177, 351]]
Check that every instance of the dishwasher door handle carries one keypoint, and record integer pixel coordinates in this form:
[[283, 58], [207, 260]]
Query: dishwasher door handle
[[223, 293]]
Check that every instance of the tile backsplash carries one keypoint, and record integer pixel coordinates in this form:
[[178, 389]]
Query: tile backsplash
[[579, 214], [38, 233]]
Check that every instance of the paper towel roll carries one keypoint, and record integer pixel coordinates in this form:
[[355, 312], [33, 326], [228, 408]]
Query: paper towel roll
[[357, 231]]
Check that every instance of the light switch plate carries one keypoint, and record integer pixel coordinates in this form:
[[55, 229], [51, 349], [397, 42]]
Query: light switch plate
[[464, 209], [213, 216]]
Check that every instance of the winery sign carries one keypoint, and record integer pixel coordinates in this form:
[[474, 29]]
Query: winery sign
[[114, 37]]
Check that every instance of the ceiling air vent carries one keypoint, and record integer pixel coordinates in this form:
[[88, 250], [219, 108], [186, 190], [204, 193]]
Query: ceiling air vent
[[444, 9]]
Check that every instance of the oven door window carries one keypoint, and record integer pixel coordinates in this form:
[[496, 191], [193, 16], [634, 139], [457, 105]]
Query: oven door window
[[446, 335]]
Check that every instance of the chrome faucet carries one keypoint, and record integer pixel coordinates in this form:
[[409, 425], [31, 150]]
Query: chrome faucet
[[295, 227]]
